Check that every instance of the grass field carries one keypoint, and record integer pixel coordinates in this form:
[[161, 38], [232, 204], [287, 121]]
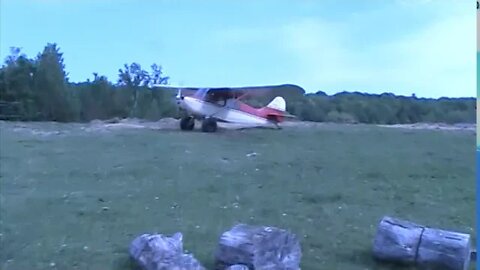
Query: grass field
[[75, 200]]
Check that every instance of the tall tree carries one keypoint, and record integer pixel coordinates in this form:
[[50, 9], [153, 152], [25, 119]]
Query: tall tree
[[50, 85], [16, 86], [132, 78], [156, 76]]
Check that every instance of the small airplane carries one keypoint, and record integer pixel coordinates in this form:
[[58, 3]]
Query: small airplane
[[212, 105]]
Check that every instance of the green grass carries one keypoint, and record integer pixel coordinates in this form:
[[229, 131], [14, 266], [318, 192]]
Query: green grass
[[329, 185]]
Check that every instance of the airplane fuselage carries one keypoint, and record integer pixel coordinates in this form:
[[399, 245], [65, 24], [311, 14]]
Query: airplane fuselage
[[228, 111]]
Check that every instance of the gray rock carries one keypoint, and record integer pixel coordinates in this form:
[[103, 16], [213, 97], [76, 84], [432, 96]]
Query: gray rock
[[258, 247], [160, 252], [404, 242]]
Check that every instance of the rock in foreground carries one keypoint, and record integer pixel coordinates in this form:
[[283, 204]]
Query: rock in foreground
[[404, 242], [160, 252], [258, 247]]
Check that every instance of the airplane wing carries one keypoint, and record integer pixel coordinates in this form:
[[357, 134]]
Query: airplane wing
[[186, 91], [242, 92], [251, 91], [288, 115]]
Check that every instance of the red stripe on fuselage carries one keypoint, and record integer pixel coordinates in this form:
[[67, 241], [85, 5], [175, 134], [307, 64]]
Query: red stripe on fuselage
[[265, 112]]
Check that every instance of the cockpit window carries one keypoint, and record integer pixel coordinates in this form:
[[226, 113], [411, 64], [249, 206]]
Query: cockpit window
[[201, 93], [215, 97]]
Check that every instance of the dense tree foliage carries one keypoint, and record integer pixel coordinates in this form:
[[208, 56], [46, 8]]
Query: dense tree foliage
[[38, 90], [383, 108]]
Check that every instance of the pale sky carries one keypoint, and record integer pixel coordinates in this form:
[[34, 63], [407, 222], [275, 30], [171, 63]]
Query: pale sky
[[402, 46]]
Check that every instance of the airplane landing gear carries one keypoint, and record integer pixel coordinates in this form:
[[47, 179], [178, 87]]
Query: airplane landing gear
[[187, 123], [209, 125]]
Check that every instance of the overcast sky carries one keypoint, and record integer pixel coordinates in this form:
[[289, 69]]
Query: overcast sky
[[401, 46]]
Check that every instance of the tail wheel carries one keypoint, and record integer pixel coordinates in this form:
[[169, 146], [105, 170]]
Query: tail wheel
[[187, 123], [273, 118], [209, 125]]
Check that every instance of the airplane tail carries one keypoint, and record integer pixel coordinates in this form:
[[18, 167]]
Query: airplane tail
[[278, 103]]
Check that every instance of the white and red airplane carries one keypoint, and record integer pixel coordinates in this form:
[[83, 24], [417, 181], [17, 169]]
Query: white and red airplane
[[225, 105]]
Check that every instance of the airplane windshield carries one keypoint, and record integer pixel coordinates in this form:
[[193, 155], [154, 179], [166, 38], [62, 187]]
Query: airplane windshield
[[214, 97], [209, 95], [201, 93]]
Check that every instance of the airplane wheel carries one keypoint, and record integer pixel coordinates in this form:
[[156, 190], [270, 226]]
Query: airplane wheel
[[187, 123], [209, 125]]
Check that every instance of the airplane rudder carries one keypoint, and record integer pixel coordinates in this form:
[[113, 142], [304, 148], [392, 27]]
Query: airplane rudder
[[278, 103]]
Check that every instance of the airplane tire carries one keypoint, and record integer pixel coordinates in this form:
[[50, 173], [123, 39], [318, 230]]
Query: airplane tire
[[209, 125], [187, 123]]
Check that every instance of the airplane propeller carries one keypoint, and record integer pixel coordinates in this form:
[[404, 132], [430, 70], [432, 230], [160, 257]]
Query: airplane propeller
[[178, 99], [179, 96]]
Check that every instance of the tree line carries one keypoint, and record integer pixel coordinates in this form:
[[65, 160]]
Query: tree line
[[38, 89], [384, 108]]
